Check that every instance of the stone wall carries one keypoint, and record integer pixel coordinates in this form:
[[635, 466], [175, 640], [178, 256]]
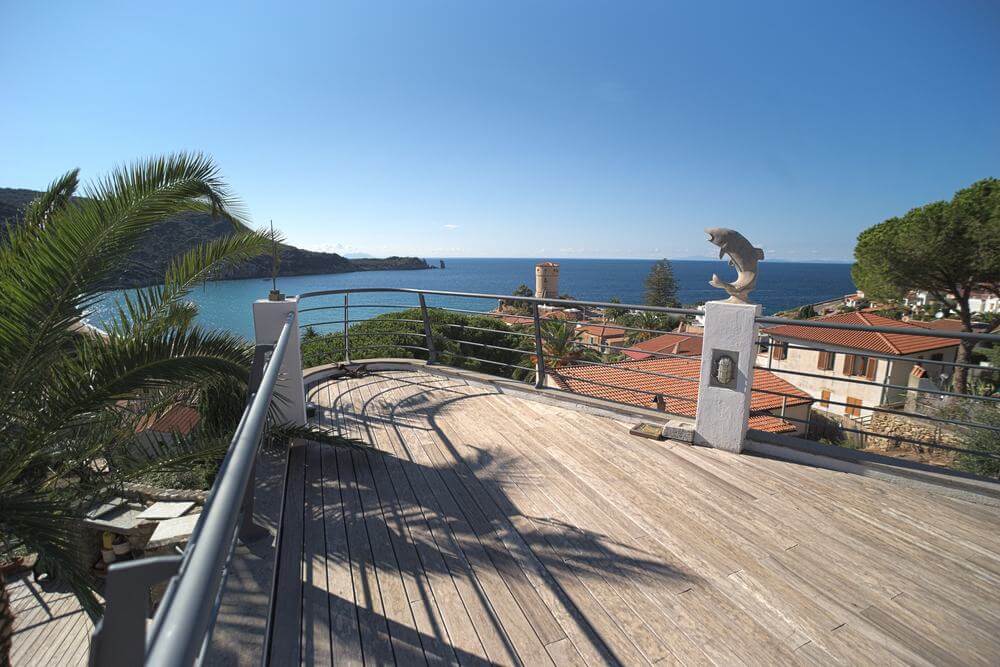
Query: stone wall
[[827, 426], [897, 426]]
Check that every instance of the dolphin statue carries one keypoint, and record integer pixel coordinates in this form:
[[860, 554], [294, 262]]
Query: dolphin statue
[[743, 256]]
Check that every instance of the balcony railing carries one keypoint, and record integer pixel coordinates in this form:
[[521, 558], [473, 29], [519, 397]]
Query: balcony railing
[[421, 343], [182, 626]]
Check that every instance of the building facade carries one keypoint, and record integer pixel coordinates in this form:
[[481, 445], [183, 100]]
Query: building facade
[[849, 372]]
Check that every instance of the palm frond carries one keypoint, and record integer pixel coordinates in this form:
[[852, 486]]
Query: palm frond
[[156, 305], [56, 197], [48, 280]]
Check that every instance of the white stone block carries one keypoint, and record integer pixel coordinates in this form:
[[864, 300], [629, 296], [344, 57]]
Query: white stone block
[[173, 531], [166, 510], [723, 412], [268, 319]]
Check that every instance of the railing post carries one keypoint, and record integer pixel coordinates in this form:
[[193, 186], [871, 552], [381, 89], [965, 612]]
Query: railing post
[[539, 349], [727, 361], [347, 336], [428, 334], [250, 531], [120, 636], [269, 318]]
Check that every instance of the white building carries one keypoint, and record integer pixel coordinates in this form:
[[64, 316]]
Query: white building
[[984, 301], [847, 371]]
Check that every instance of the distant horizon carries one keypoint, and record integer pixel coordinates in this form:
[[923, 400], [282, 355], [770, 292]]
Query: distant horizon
[[706, 258]]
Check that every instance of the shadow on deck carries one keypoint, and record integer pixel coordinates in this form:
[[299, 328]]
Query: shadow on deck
[[477, 527]]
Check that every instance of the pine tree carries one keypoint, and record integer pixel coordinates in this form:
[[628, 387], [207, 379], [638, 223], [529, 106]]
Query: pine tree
[[661, 288]]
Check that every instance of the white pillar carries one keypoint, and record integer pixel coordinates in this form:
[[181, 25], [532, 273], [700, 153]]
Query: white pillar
[[724, 406], [268, 319]]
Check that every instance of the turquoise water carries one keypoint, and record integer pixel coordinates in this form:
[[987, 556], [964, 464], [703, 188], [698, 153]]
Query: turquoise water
[[781, 285]]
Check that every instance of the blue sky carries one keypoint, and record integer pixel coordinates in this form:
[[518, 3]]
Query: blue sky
[[521, 129]]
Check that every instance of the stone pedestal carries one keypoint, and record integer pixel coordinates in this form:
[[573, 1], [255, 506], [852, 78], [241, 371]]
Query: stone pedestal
[[268, 319], [730, 342]]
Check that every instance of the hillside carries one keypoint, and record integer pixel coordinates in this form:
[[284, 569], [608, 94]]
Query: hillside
[[180, 233]]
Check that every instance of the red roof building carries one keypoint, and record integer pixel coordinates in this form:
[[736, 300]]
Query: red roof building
[[871, 341], [669, 343], [643, 383], [849, 372]]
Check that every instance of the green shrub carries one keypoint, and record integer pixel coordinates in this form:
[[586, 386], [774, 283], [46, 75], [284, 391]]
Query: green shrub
[[457, 337]]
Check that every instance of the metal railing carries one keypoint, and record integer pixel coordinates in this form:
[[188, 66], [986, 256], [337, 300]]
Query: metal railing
[[536, 361], [795, 357], [182, 627]]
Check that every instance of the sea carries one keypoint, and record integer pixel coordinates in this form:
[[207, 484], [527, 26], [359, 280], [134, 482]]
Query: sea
[[780, 286]]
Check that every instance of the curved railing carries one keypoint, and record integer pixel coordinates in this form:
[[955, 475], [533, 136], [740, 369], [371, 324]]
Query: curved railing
[[182, 626], [543, 364]]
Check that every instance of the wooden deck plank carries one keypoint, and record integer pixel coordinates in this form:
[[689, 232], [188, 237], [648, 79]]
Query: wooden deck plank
[[557, 503], [421, 589], [512, 531], [517, 628], [50, 627], [406, 646], [287, 621], [345, 634], [645, 559], [471, 625], [376, 643], [316, 624]]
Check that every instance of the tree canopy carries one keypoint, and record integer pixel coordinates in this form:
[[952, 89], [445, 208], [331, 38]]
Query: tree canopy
[[948, 248], [945, 248], [661, 287]]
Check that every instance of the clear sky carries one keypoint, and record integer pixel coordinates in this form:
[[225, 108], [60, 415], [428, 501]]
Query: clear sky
[[531, 129]]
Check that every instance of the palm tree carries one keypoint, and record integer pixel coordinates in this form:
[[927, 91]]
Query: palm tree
[[68, 400], [651, 322], [560, 347]]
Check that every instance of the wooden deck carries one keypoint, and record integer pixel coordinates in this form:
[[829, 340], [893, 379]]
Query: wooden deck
[[484, 528], [50, 627]]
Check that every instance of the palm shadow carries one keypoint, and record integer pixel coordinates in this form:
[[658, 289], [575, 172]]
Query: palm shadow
[[437, 508]]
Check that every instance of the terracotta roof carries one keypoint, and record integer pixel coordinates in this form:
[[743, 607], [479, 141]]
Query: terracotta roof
[[680, 393], [561, 315], [515, 319], [891, 343], [602, 330], [670, 343], [941, 325], [177, 419]]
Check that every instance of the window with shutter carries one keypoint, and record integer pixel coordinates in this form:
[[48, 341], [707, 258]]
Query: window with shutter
[[848, 364], [821, 364], [824, 400], [853, 408], [872, 369]]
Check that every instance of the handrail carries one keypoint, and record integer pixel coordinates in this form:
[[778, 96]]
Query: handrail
[[505, 297], [181, 627]]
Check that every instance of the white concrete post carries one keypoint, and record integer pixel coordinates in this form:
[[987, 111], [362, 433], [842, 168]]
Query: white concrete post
[[268, 319], [730, 339]]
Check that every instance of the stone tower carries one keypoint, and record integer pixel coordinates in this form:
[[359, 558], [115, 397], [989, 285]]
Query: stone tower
[[547, 280]]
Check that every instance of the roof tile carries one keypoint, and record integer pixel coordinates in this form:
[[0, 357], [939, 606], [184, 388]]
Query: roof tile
[[872, 341]]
